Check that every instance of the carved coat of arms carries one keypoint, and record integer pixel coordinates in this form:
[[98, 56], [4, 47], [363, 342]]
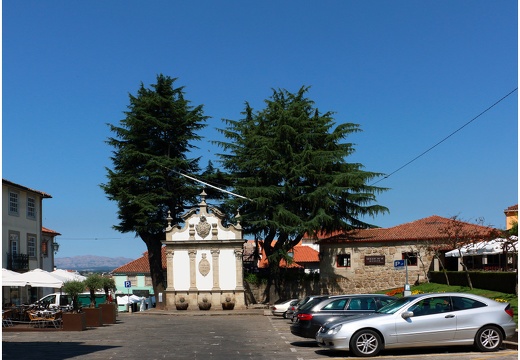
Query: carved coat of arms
[[204, 266], [203, 227]]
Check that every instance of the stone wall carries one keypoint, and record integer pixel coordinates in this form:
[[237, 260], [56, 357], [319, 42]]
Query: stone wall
[[366, 278]]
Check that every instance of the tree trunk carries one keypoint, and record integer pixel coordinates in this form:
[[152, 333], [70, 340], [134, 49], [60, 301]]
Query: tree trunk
[[443, 269], [154, 247], [468, 278]]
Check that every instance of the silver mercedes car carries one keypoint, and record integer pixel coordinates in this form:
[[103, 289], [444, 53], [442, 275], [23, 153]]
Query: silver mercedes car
[[423, 320]]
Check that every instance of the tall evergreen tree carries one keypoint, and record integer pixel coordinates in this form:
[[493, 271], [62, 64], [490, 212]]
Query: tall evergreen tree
[[290, 161], [153, 140]]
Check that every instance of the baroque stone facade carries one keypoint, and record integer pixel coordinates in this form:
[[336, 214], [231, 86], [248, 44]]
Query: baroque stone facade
[[204, 262]]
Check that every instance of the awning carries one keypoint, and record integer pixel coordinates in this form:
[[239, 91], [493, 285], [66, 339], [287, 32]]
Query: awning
[[11, 278], [40, 278], [491, 247]]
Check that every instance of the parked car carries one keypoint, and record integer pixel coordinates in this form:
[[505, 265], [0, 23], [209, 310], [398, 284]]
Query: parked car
[[423, 320], [64, 301], [281, 308], [311, 316], [292, 311]]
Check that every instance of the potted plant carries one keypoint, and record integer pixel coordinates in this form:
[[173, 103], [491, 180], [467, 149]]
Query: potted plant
[[181, 304], [94, 315], [109, 308], [204, 304], [75, 320]]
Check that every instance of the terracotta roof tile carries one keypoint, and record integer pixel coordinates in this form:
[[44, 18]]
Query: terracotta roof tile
[[49, 231], [140, 265], [302, 254], [430, 228]]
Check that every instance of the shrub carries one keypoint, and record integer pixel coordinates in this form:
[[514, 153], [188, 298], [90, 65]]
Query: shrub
[[74, 288], [93, 282]]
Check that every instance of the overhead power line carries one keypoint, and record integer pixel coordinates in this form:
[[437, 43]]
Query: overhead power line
[[446, 138], [214, 187]]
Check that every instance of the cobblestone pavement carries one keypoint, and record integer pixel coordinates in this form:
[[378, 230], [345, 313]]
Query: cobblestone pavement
[[196, 335]]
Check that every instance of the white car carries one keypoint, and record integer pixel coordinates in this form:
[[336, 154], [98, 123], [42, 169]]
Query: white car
[[423, 320], [280, 309]]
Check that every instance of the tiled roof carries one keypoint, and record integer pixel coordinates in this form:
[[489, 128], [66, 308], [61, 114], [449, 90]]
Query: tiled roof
[[141, 265], [512, 208], [49, 231], [302, 254], [430, 228]]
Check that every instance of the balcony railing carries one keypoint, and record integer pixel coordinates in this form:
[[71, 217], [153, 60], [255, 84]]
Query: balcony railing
[[17, 262]]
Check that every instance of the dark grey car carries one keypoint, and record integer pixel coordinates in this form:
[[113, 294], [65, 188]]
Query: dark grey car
[[311, 316], [291, 311]]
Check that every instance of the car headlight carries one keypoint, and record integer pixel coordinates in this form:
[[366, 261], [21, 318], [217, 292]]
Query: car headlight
[[334, 330]]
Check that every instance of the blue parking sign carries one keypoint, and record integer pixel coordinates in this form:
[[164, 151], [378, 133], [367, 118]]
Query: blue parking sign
[[128, 284], [398, 263]]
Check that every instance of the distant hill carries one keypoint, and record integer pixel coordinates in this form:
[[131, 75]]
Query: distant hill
[[90, 263]]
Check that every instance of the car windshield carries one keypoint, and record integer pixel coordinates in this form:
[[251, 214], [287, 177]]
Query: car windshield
[[394, 305]]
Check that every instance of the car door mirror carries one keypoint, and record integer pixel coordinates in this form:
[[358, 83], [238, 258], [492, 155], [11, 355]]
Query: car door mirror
[[407, 314]]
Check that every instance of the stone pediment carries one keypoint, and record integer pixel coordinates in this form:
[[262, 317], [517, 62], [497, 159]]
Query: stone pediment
[[203, 223]]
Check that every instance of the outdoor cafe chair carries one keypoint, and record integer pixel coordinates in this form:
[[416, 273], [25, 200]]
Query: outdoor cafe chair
[[6, 318], [38, 321], [56, 319]]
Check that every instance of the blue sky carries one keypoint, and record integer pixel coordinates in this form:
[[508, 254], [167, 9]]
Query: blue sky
[[409, 72]]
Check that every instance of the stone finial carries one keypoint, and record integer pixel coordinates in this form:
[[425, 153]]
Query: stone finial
[[169, 219], [203, 206]]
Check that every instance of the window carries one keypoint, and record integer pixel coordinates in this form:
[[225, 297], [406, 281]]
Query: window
[[132, 279], [31, 245], [411, 257], [13, 242], [343, 260], [148, 281], [431, 306], [462, 303], [13, 203], [31, 208], [338, 304]]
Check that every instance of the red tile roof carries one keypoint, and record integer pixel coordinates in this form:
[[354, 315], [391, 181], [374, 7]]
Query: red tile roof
[[141, 265], [302, 254], [49, 231], [430, 228], [512, 208]]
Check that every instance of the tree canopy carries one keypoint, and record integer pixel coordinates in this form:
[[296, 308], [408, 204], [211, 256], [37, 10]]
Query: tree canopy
[[289, 159], [151, 145]]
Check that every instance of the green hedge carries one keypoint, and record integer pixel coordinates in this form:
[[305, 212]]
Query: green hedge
[[505, 282]]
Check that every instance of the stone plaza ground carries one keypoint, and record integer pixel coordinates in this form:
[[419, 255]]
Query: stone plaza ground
[[154, 334]]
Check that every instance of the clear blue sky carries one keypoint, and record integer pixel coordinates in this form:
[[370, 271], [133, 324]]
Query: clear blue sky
[[409, 72]]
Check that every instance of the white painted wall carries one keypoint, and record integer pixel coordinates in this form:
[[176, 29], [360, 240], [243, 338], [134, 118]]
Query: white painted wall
[[227, 271], [181, 270]]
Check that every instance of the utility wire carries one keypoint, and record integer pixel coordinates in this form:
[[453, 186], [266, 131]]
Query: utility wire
[[446, 138], [214, 187]]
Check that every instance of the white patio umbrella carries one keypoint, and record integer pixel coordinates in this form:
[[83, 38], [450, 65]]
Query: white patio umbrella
[[40, 278], [11, 278], [491, 247], [65, 275]]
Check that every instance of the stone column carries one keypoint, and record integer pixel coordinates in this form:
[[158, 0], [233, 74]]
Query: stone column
[[169, 267], [193, 274], [238, 267], [216, 272]]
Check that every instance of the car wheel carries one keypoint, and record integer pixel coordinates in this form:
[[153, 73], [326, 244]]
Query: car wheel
[[285, 315], [489, 338], [365, 343]]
